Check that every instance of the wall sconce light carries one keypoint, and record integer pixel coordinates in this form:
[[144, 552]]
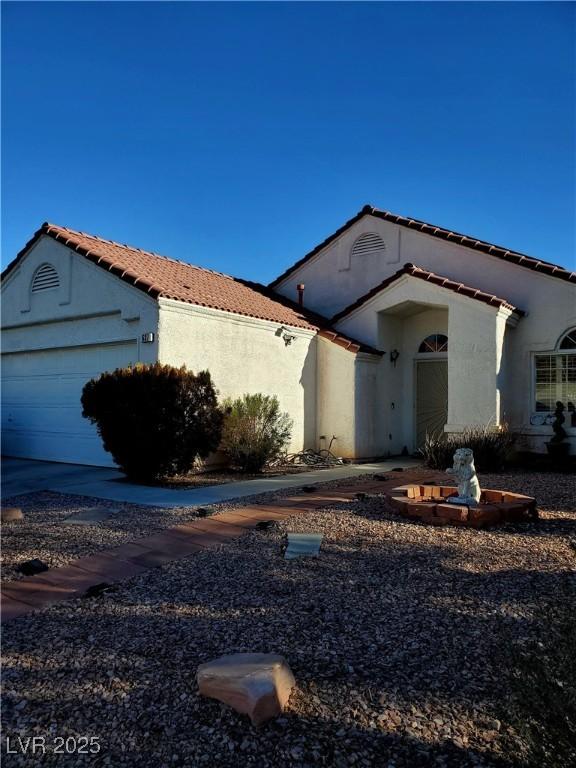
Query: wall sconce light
[[287, 338], [394, 355]]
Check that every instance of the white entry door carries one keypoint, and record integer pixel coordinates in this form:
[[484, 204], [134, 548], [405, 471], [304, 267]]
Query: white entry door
[[41, 410], [431, 398]]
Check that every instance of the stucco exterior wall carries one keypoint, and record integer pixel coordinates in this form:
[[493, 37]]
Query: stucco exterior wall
[[400, 318], [336, 401], [244, 355], [475, 336], [551, 313], [90, 307], [347, 391], [333, 282], [392, 411]]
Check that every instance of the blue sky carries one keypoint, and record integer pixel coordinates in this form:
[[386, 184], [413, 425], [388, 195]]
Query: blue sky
[[238, 136]]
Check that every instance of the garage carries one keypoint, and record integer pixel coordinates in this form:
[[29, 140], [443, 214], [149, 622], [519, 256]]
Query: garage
[[41, 390]]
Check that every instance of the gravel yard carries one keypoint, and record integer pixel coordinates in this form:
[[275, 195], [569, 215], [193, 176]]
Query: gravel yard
[[43, 533], [400, 637]]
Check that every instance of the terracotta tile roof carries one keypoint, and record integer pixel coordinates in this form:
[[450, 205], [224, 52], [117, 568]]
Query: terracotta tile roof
[[161, 276], [514, 257], [444, 282]]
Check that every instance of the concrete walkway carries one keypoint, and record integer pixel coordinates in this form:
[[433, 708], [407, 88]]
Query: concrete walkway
[[24, 476], [22, 596]]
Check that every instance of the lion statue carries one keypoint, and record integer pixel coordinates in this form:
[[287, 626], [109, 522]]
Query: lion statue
[[466, 477]]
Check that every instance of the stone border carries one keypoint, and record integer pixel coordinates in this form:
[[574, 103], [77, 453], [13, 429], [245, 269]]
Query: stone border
[[426, 503]]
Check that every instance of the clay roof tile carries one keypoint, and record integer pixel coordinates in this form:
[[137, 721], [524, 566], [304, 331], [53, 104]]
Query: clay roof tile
[[164, 277], [514, 257]]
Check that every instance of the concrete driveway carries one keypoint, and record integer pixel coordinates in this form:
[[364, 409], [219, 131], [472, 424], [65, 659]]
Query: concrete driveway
[[26, 476]]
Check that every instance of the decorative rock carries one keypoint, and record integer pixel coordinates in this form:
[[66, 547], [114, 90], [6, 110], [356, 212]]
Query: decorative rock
[[11, 514], [32, 567], [303, 545], [265, 525], [204, 511], [97, 590], [381, 477], [255, 684], [310, 488]]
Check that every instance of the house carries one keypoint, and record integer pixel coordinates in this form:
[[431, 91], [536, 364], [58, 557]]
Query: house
[[390, 328]]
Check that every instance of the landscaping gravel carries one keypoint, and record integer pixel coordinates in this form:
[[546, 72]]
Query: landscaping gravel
[[43, 533], [395, 635]]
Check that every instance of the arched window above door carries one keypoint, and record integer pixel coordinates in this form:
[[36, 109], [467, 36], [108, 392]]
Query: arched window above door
[[436, 342]]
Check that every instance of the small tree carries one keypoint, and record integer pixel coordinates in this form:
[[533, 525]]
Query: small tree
[[155, 420], [255, 431]]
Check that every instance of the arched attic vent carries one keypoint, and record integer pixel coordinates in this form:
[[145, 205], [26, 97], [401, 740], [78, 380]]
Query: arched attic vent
[[45, 279], [368, 244]]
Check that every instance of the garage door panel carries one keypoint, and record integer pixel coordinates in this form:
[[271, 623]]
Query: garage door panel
[[41, 408], [31, 390], [57, 419], [39, 445]]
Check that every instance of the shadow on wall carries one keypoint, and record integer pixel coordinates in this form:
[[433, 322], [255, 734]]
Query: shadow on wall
[[309, 384]]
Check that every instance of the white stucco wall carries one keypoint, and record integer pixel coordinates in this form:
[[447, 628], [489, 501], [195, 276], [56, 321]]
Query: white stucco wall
[[347, 385], [400, 317], [244, 355], [90, 307], [333, 282], [336, 399]]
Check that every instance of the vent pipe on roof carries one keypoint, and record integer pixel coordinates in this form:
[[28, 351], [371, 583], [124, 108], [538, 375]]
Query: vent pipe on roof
[[300, 288]]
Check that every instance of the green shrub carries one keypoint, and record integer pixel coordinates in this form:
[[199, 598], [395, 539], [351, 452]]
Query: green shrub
[[255, 431], [490, 446], [155, 420]]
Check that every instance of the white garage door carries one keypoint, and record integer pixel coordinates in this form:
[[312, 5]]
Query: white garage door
[[41, 410]]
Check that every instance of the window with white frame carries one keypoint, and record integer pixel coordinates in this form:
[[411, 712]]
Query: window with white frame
[[555, 375]]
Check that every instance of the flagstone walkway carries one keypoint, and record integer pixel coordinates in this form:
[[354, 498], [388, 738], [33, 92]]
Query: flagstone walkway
[[133, 559]]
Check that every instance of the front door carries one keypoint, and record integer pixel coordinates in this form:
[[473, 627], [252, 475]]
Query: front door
[[431, 398]]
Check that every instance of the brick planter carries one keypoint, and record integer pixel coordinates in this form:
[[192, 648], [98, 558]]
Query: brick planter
[[427, 503]]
